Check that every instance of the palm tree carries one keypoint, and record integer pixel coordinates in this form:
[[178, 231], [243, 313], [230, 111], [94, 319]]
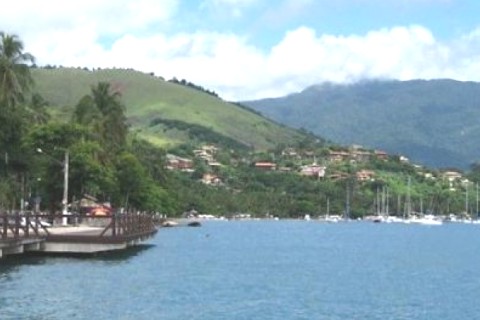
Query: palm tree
[[103, 111], [15, 82], [15, 77], [37, 110]]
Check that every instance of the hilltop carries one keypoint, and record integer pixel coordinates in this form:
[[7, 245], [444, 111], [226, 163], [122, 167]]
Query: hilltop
[[434, 122], [163, 112]]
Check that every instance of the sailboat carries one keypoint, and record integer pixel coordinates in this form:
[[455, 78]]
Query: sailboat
[[328, 217], [476, 220]]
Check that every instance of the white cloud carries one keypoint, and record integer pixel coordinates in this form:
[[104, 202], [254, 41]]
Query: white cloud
[[31, 18], [73, 34]]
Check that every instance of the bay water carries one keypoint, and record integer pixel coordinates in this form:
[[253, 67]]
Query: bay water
[[259, 270]]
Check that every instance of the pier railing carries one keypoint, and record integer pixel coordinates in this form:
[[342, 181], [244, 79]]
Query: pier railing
[[21, 225], [113, 228]]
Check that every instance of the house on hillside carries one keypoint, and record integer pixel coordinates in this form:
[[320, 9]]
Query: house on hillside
[[178, 163], [265, 165], [289, 152], [211, 179], [361, 155], [452, 177], [404, 159], [214, 164], [338, 156], [382, 155], [206, 153], [365, 175], [313, 170]]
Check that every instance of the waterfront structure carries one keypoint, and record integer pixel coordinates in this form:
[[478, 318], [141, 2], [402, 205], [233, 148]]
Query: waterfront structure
[[87, 234]]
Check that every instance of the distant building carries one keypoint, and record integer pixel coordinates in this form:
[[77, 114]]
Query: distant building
[[313, 170], [338, 156], [361, 155], [404, 159], [382, 155], [178, 163], [289, 152], [451, 175], [214, 164], [206, 153], [211, 179], [427, 175], [365, 175], [265, 165]]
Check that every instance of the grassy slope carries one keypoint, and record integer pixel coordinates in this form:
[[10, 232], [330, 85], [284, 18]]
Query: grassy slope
[[148, 97]]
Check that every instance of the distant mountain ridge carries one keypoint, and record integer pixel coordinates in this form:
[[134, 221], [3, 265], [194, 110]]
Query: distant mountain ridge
[[433, 122]]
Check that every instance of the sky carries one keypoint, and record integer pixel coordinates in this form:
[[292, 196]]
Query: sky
[[252, 49]]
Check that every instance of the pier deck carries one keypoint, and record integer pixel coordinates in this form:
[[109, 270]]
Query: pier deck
[[22, 233]]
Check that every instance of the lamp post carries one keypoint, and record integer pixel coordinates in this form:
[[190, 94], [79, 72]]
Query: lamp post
[[65, 165]]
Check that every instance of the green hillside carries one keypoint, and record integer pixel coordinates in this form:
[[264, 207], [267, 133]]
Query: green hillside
[[151, 102], [432, 122]]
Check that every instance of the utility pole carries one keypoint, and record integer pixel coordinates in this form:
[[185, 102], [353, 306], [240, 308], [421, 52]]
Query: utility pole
[[65, 164], [65, 188]]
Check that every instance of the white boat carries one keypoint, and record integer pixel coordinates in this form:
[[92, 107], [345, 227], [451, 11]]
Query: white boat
[[427, 219], [332, 219]]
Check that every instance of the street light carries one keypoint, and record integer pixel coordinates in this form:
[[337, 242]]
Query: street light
[[65, 164]]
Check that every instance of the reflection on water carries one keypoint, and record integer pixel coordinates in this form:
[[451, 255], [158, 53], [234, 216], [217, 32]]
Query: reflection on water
[[120, 255], [13, 263]]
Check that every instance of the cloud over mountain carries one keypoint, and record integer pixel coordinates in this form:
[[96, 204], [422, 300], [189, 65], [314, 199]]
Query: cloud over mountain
[[148, 35]]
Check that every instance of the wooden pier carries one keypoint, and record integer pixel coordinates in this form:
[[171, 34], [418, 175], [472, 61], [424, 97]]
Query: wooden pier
[[26, 232]]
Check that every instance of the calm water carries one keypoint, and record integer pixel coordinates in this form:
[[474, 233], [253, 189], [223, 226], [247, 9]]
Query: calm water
[[259, 270]]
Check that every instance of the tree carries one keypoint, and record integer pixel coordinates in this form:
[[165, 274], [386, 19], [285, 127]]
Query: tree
[[54, 139], [114, 127], [104, 113], [37, 110], [132, 180], [86, 112], [15, 77], [15, 82]]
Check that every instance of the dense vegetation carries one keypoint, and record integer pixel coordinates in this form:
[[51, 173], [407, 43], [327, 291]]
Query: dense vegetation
[[432, 122], [101, 125]]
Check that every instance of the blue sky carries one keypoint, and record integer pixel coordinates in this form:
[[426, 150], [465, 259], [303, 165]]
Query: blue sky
[[265, 22], [249, 49]]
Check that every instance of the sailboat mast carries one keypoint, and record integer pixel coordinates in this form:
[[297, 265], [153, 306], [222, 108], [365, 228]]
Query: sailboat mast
[[399, 205], [383, 200], [386, 207], [328, 207], [409, 204], [476, 187], [466, 199]]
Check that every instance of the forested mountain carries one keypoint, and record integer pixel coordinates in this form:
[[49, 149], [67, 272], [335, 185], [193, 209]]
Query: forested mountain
[[435, 123]]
